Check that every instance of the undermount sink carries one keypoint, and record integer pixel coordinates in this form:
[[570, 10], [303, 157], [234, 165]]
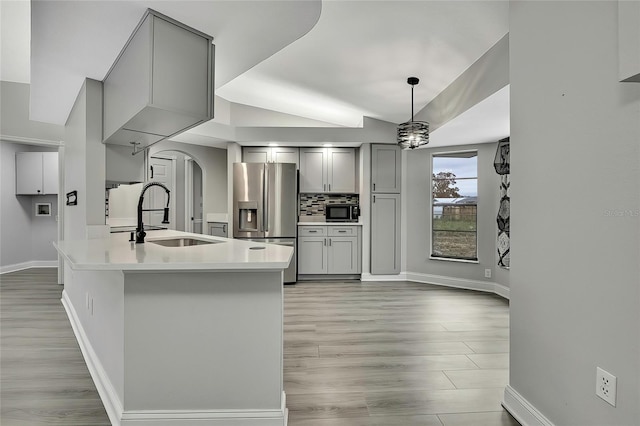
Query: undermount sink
[[182, 242]]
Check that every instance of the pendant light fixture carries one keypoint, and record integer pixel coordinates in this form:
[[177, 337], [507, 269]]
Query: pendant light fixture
[[413, 134]]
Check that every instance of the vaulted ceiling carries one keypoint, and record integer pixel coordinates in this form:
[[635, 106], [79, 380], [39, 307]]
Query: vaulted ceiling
[[330, 61]]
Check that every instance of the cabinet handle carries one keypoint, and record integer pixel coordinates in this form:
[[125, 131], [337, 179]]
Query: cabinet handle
[[314, 231], [324, 186], [374, 198], [329, 241], [329, 187], [224, 228], [325, 241], [151, 172], [342, 230], [374, 186]]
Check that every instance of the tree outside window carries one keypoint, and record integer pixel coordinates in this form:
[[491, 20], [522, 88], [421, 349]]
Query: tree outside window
[[454, 205]]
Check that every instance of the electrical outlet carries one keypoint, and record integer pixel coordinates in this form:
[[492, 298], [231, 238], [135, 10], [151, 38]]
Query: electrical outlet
[[606, 386], [487, 273]]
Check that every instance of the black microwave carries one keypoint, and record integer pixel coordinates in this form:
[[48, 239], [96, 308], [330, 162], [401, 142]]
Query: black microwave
[[341, 212]]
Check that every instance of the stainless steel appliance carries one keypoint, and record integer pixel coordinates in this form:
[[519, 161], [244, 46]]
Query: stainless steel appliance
[[265, 197], [341, 212]]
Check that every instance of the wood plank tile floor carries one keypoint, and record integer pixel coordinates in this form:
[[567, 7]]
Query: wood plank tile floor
[[394, 353], [357, 354]]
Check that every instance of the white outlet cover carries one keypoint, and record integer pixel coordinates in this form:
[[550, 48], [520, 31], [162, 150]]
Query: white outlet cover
[[606, 386], [487, 273]]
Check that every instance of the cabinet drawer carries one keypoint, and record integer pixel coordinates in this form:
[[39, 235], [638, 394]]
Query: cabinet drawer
[[312, 231], [343, 231]]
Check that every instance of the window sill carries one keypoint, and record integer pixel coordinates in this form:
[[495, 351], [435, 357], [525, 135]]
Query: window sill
[[447, 259]]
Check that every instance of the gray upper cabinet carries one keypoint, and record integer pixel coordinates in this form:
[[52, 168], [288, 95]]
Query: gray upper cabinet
[[386, 168], [36, 173], [160, 85], [328, 170], [313, 170], [385, 234], [270, 154]]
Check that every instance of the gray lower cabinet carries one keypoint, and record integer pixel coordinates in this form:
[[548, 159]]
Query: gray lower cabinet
[[329, 250], [385, 234], [218, 229]]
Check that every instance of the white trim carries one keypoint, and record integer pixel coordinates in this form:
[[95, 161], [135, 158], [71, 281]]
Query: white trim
[[366, 276], [522, 410], [30, 141], [27, 265], [486, 286], [501, 290], [108, 395]]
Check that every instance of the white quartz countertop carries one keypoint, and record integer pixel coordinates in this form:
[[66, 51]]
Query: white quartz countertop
[[116, 253], [329, 223]]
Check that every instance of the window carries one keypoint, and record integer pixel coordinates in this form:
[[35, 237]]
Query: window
[[454, 205]]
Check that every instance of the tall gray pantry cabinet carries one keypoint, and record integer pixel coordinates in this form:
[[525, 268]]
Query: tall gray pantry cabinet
[[386, 174]]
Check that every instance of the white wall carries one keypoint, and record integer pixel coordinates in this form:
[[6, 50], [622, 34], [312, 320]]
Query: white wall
[[85, 163], [24, 236], [213, 162], [575, 170], [416, 195]]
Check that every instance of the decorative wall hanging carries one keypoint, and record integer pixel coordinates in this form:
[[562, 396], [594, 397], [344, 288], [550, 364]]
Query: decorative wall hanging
[[72, 198], [502, 166]]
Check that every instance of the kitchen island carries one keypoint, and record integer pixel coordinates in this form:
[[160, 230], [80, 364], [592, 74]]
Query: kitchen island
[[180, 335]]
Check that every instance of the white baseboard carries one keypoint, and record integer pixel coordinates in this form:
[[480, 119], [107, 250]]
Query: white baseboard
[[370, 277], [120, 417], [501, 290], [107, 392], [208, 417], [486, 286], [522, 410], [26, 265]]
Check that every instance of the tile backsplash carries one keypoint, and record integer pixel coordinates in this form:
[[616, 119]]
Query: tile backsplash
[[313, 204]]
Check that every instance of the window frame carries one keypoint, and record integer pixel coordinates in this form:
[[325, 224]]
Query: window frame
[[431, 237]]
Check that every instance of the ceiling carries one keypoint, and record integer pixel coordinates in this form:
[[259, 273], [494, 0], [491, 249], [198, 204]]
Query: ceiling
[[330, 61]]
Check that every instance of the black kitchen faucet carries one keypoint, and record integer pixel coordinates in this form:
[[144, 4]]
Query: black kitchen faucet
[[140, 234]]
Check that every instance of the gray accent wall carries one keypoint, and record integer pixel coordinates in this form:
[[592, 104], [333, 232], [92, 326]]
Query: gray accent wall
[[23, 236], [416, 194], [575, 181]]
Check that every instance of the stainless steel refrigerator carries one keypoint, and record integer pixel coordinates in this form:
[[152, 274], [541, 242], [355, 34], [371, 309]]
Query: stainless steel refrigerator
[[265, 197]]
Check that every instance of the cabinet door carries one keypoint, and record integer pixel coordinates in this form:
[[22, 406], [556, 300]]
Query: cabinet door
[[313, 170], [122, 166], [386, 172], [312, 255], [385, 234], [259, 154], [29, 173], [285, 155], [343, 255], [50, 172], [341, 170]]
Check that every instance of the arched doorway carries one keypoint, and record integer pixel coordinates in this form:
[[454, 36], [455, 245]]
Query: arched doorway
[[183, 175]]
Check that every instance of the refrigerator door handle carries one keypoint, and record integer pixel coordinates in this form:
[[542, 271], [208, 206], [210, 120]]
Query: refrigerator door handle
[[265, 203]]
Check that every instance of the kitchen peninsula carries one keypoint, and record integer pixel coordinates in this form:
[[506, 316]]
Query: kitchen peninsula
[[185, 329]]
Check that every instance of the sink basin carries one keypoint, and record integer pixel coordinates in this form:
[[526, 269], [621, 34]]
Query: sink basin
[[182, 242]]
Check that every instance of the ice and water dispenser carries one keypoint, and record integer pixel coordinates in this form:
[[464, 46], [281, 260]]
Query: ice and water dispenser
[[248, 216]]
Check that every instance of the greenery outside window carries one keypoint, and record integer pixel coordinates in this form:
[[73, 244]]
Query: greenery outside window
[[454, 205]]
